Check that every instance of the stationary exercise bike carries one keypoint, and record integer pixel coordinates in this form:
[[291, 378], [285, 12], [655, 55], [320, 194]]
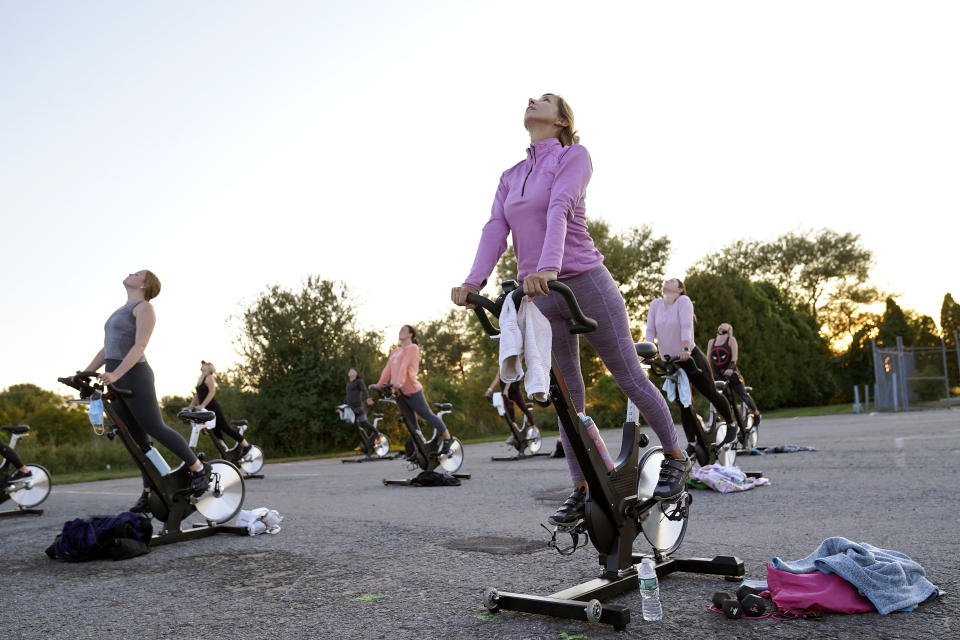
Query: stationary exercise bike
[[171, 497], [748, 432], [27, 493], [619, 505], [374, 446], [524, 439], [422, 453], [249, 463], [706, 444]]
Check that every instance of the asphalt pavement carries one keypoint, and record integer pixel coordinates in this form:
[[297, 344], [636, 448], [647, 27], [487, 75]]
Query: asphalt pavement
[[356, 559]]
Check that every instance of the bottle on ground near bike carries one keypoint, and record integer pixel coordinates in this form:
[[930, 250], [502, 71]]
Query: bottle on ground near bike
[[594, 434], [157, 460], [650, 591]]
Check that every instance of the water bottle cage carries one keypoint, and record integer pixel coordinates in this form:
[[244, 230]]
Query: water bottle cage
[[576, 531]]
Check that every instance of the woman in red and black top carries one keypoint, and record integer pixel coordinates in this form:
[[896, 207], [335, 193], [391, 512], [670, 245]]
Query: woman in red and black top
[[723, 354]]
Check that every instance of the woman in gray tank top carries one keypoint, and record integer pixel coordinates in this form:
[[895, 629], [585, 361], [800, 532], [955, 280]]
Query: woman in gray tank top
[[126, 334]]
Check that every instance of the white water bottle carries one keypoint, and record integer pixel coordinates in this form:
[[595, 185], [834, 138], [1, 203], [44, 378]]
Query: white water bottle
[[154, 456], [650, 591]]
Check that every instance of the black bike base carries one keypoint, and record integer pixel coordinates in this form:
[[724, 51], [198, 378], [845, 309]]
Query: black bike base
[[519, 456], [22, 511], [198, 531], [253, 476], [572, 603], [392, 456], [409, 481]]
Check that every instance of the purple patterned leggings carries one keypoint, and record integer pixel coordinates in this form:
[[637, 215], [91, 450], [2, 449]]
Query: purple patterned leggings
[[600, 299]]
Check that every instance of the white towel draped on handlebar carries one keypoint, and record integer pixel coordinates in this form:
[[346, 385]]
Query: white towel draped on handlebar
[[678, 384], [526, 333]]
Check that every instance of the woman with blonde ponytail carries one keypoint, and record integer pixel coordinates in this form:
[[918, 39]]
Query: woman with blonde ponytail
[[541, 203]]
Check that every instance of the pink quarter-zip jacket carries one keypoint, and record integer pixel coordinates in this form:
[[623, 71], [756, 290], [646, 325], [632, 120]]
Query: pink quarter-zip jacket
[[540, 201]]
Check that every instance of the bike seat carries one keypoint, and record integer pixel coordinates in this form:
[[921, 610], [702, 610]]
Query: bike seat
[[720, 384], [377, 415], [442, 406], [646, 350], [15, 428], [749, 389], [197, 416], [238, 423]]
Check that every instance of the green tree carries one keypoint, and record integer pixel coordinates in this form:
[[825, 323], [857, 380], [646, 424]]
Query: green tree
[[781, 353], [52, 421], [824, 274], [296, 347]]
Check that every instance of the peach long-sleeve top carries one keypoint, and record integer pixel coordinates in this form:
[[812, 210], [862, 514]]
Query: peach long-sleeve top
[[402, 368]]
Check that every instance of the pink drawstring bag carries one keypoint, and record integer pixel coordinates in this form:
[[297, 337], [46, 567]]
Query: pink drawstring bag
[[814, 592]]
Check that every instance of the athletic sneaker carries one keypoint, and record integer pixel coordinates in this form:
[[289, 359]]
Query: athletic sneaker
[[143, 503], [673, 476], [445, 446], [571, 511], [19, 475], [200, 480]]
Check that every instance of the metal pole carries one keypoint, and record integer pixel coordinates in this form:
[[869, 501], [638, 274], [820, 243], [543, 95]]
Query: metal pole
[[896, 393], [866, 396], [946, 374], [876, 370], [956, 343], [903, 378], [856, 399]]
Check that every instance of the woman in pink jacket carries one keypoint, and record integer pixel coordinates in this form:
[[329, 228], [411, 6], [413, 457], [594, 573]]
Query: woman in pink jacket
[[541, 203], [401, 372]]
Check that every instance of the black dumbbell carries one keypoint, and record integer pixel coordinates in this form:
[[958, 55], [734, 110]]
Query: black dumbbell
[[728, 604], [751, 604]]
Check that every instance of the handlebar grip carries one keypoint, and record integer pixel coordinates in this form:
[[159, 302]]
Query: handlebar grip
[[482, 303], [581, 324]]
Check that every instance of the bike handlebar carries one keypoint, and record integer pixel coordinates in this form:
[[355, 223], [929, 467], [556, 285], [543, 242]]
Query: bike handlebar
[[668, 367], [582, 324], [81, 382]]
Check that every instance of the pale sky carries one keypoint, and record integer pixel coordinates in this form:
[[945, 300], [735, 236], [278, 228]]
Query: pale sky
[[228, 146]]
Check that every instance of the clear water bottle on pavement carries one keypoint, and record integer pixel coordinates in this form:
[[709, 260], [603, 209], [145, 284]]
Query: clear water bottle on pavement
[[650, 591]]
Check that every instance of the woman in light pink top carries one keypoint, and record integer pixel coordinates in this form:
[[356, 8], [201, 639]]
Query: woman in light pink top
[[401, 372], [670, 323]]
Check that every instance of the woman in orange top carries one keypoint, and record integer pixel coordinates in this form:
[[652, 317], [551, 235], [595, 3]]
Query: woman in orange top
[[401, 371]]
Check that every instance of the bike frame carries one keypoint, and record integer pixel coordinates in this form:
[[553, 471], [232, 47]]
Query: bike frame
[[613, 509], [169, 494]]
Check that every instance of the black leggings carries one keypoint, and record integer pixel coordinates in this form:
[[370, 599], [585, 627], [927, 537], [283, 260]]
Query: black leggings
[[223, 425], [11, 455], [416, 403], [360, 417], [703, 382], [515, 397], [735, 382], [141, 413]]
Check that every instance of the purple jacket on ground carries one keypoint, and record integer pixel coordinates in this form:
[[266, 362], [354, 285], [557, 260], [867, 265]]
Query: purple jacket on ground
[[541, 202]]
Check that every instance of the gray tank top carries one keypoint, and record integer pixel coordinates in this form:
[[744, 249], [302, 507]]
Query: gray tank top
[[120, 333]]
